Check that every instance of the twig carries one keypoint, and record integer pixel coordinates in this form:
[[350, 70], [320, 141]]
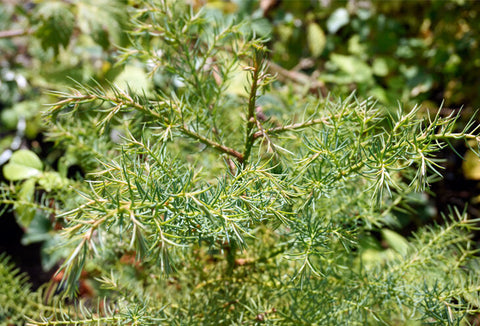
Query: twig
[[267, 138], [212, 144], [298, 77], [127, 101], [291, 127], [15, 33]]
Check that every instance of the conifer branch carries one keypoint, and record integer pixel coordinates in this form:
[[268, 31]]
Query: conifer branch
[[167, 232], [126, 101]]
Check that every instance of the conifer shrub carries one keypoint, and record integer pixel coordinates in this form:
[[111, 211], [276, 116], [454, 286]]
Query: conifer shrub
[[213, 194]]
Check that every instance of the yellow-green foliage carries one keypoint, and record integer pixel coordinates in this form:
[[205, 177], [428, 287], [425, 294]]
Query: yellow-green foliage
[[202, 204]]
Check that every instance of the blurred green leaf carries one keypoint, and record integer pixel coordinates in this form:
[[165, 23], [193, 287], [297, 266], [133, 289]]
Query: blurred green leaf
[[396, 241], [134, 78], [103, 20], [41, 230], [25, 212], [261, 27], [239, 83], [418, 80], [380, 94], [9, 118], [380, 67], [55, 24], [371, 257], [316, 39], [471, 166], [38, 230], [356, 46], [355, 68], [23, 164], [337, 20], [51, 180]]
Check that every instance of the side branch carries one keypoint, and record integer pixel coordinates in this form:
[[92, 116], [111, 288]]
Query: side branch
[[212, 144], [126, 101], [78, 98], [291, 127], [297, 77]]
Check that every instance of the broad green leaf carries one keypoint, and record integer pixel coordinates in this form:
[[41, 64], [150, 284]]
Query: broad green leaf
[[38, 230], [51, 180], [24, 211], [41, 230], [103, 20], [238, 85], [262, 27], [134, 78], [357, 69], [23, 164], [9, 118], [471, 166], [224, 6], [419, 80], [55, 24], [379, 93], [372, 257], [396, 241], [380, 67], [337, 20], [316, 39], [357, 46]]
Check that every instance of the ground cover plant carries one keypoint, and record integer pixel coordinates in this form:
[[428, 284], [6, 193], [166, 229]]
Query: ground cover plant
[[209, 192]]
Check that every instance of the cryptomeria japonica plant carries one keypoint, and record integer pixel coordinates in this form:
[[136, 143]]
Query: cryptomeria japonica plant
[[215, 194]]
